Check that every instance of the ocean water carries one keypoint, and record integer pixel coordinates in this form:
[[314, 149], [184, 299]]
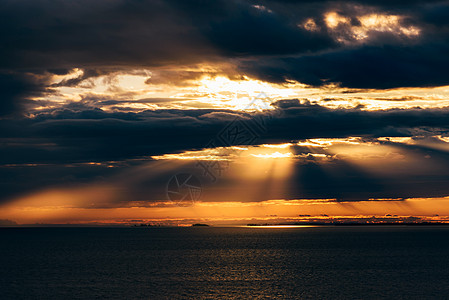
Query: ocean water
[[225, 263]]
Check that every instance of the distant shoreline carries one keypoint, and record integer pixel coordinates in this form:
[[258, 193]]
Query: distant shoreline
[[353, 224]]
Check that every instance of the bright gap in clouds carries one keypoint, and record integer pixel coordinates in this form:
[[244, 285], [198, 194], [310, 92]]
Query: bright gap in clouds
[[199, 89], [144, 89], [363, 27]]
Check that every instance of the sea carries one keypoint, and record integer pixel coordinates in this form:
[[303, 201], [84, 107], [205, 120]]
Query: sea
[[329, 262]]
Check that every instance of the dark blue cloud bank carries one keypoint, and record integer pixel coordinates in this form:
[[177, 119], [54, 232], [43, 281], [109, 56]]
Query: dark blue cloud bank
[[73, 136], [263, 39]]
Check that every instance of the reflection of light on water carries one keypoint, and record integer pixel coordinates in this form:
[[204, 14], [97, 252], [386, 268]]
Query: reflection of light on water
[[279, 226]]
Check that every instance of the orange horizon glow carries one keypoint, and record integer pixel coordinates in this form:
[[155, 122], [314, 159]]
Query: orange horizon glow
[[264, 167], [228, 212]]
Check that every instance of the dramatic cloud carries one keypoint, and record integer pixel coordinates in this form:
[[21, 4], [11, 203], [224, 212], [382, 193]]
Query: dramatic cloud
[[16, 89], [367, 67], [91, 143], [81, 135], [38, 36]]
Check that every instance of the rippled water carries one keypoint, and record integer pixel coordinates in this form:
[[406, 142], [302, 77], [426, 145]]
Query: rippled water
[[225, 263]]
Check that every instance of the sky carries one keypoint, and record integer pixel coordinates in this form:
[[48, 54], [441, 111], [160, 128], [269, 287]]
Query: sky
[[223, 112]]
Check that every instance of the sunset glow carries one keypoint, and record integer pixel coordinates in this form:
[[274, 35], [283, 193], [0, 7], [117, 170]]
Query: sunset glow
[[249, 171]]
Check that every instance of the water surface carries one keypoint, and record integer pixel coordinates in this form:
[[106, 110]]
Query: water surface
[[225, 263]]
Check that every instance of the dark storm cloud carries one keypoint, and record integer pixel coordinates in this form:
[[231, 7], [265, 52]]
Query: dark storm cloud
[[87, 73], [40, 38], [386, 61], [39, 35], [17, 88], [368, 67], [79, 134], [59, 147], [251, 31], [54, 148], [58, 34]]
